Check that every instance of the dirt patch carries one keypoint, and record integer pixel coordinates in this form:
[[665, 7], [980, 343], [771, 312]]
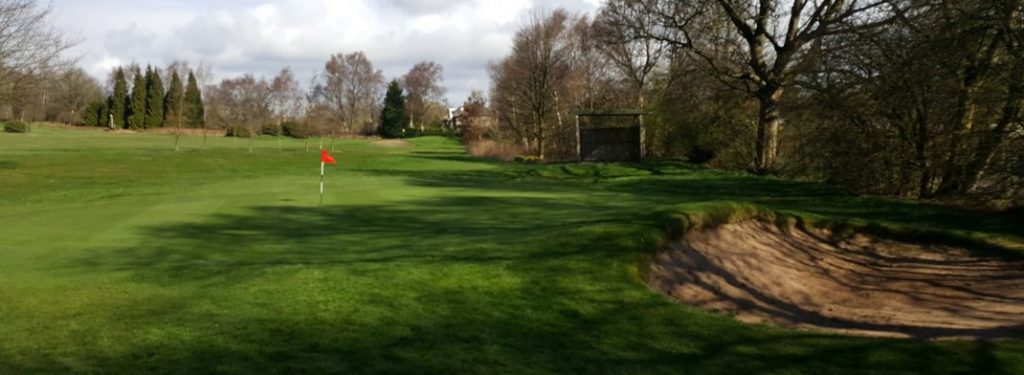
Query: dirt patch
[[858, 284], [393, 143]]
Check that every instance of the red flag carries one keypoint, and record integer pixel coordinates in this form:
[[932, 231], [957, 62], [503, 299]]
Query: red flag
[[326, 158]]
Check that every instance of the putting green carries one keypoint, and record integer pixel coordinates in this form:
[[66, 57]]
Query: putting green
[[120, 255]]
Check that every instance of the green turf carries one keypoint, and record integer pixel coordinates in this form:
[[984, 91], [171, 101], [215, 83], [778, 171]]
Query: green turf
[[119, 255]]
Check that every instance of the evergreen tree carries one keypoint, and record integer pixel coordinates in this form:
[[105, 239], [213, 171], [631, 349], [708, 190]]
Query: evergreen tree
[[173, 101], [393, 117], [137, 105], [154, 99], [193, 103], [94, 113], [118, 102]]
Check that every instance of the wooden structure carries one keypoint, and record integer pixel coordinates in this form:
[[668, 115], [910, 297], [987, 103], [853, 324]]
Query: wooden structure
[[599, 137]]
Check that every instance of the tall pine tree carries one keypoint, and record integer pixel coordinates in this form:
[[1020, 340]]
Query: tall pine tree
[[193, 103], [392, 117], [173, 101], [137, 105], [119, 101], [154, 99]]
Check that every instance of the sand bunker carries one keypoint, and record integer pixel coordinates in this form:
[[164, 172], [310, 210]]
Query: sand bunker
[[858, 284], [393, 143]]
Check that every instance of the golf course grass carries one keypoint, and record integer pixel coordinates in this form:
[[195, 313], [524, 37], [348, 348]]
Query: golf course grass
[[120, 255]]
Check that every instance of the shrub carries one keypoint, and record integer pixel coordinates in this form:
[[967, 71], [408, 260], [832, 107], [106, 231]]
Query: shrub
[[237, 131], [529, 159], [17, 127], [493, 150], [700, 154], [270, 129], [296, 129]]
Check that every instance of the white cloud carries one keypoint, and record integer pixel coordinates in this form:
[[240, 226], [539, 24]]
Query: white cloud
[[261, 37]]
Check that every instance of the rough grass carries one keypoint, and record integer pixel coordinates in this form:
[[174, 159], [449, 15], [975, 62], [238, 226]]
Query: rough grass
[[119, 255]]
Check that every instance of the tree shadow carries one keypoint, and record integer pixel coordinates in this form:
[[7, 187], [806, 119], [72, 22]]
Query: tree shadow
[[546, 259], [653, 185], [449, 230]]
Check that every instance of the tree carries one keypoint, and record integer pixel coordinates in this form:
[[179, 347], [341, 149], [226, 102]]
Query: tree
[[154, 99], [423, 91], [634, 56], [119, 101], [137, 103], [985, 37], [759, 44], [351, 88], [393, 116], [174, 101], [95, 114], [525, 85], [70, 94], [28, 45], [242, 103], [286, 99], [193, 110], [472, 121]]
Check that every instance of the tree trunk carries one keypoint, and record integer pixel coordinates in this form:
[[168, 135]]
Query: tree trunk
[[640, 123], [558, 114], [769, 120], [991, 141], [953, 173], [540, 138], [921, 154]]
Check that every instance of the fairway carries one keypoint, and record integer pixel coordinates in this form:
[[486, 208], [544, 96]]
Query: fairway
[[120, 255]]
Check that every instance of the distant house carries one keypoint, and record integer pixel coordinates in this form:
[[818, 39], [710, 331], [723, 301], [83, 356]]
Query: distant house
[[452, 121]]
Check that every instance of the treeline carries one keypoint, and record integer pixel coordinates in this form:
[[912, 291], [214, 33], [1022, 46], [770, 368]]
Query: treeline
[[347, 97], [145, 104], [907, 97]]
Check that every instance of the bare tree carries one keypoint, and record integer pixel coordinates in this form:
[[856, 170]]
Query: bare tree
[[423, 91], [985, 38], [241, 103], [286, 99], [71, 92], [30, 48], [763, 50], [620, 29], [352, 89], [525, 84]]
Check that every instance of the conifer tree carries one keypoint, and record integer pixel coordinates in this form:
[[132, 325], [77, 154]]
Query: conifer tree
[[95, 113], [118, 101], [154, 99], [193, 103], [393, 115], [137, 107], [173, 101]]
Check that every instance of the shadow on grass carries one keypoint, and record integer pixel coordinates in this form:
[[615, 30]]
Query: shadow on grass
[[530, 269], [654, 185]]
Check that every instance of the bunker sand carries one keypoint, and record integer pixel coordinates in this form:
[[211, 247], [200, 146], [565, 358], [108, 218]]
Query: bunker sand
[[859, 284]]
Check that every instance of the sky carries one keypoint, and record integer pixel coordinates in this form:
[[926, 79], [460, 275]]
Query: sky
[[263, 36]]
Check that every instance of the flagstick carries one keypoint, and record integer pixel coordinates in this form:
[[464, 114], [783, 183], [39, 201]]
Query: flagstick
[[322, 183]]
